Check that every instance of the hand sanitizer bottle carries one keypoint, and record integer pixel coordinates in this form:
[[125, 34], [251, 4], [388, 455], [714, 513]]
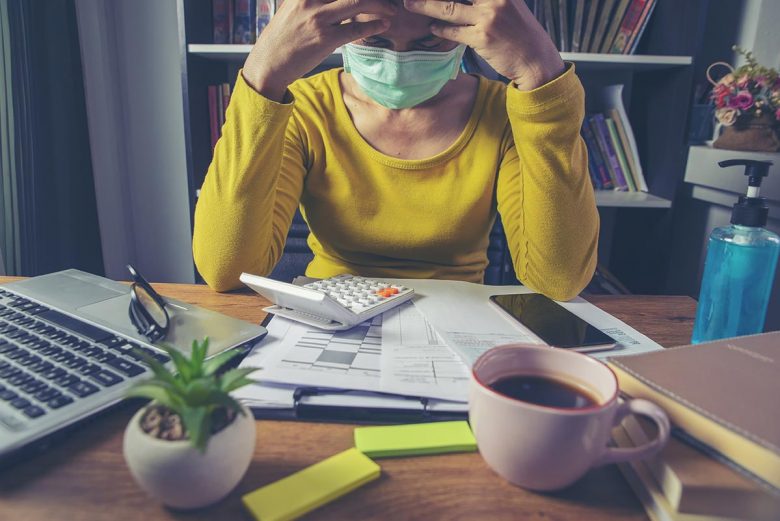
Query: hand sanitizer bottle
[[740, 266]]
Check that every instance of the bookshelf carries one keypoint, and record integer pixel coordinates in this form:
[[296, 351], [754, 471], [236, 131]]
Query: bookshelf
[[657, 84]]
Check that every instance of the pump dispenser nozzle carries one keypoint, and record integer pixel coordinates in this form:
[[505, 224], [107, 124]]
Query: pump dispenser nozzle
[[750, 210]]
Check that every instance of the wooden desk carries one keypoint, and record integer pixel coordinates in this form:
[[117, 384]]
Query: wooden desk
[[84, 476]]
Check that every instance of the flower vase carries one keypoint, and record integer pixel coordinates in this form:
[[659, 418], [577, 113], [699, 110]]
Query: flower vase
[[749, 133]]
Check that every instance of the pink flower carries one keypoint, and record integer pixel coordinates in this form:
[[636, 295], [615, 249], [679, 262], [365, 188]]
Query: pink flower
[[743, 100], [762, 81]]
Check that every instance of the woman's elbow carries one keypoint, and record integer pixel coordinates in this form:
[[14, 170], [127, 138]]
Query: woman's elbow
[[217, 273], [564, 276], [218, 279]]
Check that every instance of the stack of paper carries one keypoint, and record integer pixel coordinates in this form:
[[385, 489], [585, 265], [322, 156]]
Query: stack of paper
[[415, 357]]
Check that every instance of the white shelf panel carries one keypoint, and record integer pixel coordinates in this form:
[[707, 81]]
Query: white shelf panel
[[613, 199], [233, 52], [584, 60], [626, 61]]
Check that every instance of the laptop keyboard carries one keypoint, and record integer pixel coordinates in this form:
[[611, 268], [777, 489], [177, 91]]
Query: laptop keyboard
[[50, 361]]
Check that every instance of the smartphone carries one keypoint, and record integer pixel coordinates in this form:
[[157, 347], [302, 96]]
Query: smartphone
[[554, 324]]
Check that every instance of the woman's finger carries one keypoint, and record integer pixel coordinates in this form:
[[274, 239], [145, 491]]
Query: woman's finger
[[446, 10], [464, 34], [351, 31], [341, 10]]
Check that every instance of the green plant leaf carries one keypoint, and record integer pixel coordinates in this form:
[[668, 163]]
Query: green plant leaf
[[181, 362], [199, 350], [197, 421], [211, 366], [199, 392], [235, 378], [158, 394], [158, 369], [239, 383]]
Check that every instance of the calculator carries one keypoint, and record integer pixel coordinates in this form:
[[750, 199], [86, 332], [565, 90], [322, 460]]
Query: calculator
[[334, 304]]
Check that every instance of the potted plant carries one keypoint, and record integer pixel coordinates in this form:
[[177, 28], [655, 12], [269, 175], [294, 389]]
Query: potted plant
[[747, 104], [191, 445]]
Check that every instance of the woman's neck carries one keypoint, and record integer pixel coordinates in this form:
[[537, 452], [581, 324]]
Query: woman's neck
[[419, 132]]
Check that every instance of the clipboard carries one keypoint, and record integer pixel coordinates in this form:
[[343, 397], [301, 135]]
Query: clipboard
[[348, 406]]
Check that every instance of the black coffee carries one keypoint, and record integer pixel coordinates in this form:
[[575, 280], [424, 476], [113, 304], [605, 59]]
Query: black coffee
[[543, 390]]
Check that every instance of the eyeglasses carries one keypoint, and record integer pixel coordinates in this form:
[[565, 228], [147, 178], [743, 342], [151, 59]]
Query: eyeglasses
[[147, 308]]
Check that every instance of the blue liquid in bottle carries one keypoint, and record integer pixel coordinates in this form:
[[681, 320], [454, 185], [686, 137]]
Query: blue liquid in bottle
[[737, 282]]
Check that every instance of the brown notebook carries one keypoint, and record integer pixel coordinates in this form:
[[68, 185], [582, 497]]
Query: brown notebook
[[725, 394]]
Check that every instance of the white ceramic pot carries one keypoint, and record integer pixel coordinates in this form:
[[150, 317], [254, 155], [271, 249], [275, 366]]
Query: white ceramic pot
[[179, 475]]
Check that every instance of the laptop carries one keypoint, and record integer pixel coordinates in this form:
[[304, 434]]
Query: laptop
[[68, 350]]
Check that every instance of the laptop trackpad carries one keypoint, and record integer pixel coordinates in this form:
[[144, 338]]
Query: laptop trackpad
[[112, 313], [61, 289]]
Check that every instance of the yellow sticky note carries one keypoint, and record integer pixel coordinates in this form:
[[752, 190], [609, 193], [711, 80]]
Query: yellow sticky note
[[312, 487], [415, 439]]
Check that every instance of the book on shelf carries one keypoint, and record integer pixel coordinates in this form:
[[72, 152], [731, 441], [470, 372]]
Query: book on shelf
[[577, 29], [244, 22], [590, 23], [614, 25], [694, 482], [639, 29], [625, 145], [723, 394], [598, 125], [550, 20], [621, 155], [563, 26], [596, 26], [609, 100], [222, 20], [263, 13], [629, 24], [649, 492], [241, 21], [598, 168], [604, 17], [218, 100]]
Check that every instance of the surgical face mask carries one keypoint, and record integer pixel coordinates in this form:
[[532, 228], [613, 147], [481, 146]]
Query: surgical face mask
[[400, 80]]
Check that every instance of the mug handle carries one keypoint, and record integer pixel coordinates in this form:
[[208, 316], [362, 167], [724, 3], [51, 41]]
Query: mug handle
[[644, 408]]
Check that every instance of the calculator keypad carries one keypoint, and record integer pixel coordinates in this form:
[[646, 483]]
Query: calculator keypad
[[358, 294]]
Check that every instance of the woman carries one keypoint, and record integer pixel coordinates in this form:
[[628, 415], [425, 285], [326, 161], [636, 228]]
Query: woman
[[399, 162]]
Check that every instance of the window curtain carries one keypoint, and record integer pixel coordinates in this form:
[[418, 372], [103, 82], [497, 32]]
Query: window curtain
[[49, 215], [9, 226]]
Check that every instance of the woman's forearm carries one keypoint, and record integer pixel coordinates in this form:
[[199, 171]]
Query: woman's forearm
[[250, 192], [545, 196]]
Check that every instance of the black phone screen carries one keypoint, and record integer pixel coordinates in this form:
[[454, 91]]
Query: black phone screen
[[554, 324]]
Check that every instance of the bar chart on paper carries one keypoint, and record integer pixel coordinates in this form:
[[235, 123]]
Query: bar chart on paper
[[399, 352], [356, 351]]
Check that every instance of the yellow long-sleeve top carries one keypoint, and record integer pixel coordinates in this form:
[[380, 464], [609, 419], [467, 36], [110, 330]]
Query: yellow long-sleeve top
[[376, 215]]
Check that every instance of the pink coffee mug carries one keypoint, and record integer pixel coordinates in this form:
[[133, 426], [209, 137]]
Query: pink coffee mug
[[542, 447]]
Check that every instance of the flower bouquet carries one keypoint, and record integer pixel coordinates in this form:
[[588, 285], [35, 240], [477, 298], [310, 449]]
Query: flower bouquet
[[747, 104]]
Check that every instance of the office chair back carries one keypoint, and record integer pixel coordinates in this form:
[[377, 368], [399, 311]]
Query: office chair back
[[296, 255]]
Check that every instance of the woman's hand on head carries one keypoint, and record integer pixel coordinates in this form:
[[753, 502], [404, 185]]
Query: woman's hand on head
[[503, 32], [302, 34]]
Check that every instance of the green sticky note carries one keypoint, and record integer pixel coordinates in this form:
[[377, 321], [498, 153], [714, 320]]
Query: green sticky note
[[415, 439], [312, 487]]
